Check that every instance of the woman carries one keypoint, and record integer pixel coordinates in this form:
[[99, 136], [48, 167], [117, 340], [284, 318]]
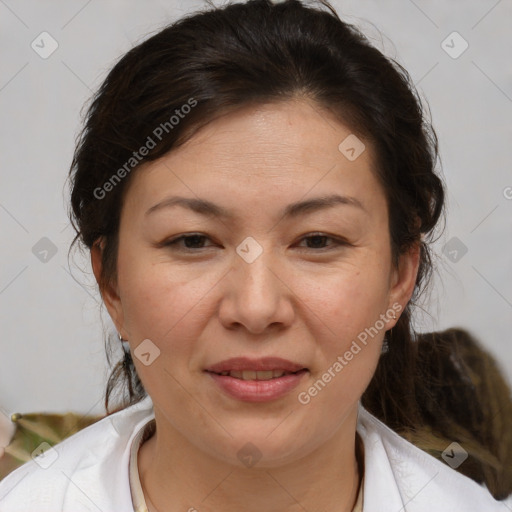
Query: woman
[[256, 186]]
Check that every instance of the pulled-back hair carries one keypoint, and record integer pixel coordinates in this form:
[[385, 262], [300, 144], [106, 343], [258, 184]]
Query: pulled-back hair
[[463, 397]]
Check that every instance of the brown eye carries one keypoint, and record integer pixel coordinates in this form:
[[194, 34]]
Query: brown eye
[[190, 242], [318, 241]]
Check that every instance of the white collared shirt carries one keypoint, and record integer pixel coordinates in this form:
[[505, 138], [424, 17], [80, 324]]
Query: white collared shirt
[[89, 471]]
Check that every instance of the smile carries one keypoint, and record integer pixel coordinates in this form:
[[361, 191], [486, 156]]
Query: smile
[[256, 375], [257, 386]]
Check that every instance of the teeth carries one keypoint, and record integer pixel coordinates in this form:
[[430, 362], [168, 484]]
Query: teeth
[[259, 375]]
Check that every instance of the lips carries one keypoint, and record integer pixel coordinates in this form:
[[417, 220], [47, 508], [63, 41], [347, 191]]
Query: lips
[[255, 369], [256, 380], [255, 375]]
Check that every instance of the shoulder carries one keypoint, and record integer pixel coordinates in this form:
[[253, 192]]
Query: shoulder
[[87, 471], [408, 478]]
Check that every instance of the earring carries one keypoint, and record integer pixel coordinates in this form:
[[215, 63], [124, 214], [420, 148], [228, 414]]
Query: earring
[[394, 316], [120, 337]]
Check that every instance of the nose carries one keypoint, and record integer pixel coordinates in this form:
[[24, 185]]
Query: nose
[[257, 296]]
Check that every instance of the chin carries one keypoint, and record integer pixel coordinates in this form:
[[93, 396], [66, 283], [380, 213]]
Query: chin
[[260, 447]]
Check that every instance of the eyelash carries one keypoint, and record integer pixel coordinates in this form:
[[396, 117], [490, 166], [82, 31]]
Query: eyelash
[[174, 242]]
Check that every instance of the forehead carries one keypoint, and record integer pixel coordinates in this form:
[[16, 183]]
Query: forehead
[[282, 151]]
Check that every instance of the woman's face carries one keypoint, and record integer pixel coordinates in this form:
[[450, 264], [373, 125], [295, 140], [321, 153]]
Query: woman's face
[[273, 272]]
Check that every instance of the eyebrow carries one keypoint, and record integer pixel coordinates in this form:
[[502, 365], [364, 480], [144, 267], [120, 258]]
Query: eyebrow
[[209, 209]]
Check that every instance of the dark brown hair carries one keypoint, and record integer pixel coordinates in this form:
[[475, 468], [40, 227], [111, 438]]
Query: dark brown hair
[[252, 53], [463, 397]]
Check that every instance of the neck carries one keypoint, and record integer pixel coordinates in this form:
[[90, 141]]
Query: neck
[[176, 475]]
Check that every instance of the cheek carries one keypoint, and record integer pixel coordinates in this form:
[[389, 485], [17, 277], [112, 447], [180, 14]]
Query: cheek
[[160, 306], [157, 301], [346, 309], [347, 337], [347, 301]]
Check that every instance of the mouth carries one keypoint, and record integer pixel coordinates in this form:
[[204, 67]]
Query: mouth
[[264, 368], [257, 375], [256, 380]]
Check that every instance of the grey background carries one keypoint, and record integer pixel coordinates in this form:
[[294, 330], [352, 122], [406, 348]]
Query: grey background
[[52, 354]]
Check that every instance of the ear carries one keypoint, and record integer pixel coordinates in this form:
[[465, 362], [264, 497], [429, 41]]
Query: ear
[[109, 295], [403, 279]]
